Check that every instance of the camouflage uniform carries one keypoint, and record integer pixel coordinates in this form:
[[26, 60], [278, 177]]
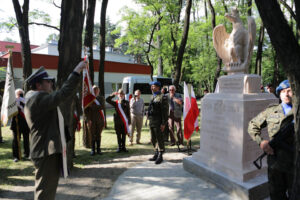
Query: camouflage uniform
[[158, 115], [280, 165]]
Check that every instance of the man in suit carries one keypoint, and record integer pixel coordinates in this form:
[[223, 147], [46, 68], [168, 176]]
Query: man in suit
[[121, 118], [19, 126], [41, 112]]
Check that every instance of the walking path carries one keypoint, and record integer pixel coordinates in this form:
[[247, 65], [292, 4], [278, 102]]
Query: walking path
[[165, 181]]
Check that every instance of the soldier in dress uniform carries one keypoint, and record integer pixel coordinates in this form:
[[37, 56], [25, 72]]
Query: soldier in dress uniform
[[95, 120], [280, 160], [41, 112], [121, 118], [158, 118], [22, 127]]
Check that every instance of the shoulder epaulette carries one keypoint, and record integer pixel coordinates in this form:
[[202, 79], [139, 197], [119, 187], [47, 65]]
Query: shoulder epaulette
[[273, 105]]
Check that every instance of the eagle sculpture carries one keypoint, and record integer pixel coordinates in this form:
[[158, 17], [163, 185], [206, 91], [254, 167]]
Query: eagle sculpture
[[235, 49]]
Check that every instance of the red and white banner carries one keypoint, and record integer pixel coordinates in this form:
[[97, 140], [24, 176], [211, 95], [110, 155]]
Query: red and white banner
[[9, 105], [190, 113], [88, 95], [78, 124], [100, 111], [123, 117]]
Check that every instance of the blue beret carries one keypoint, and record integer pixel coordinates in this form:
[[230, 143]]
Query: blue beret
[[155, 83], [283, 85]]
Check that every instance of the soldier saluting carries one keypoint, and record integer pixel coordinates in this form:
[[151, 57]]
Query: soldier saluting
[[280, 158], [158, 118]]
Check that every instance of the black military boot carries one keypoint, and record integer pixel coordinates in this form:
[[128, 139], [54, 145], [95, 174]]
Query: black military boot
[[93, 148], [154, 157], [159, 158], [98, 147]]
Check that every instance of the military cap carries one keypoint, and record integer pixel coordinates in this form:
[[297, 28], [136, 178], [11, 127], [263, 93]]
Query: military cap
[[157, 83], [40, 74], [283, 85]]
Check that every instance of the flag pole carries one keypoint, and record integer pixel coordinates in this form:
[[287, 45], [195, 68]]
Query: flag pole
[[1, 138], [16, 117]]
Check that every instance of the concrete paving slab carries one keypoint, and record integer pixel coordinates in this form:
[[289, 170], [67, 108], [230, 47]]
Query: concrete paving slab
[[165, 181]]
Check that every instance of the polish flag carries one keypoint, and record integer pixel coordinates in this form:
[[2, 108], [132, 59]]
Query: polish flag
[[88, 95], [190, 113]]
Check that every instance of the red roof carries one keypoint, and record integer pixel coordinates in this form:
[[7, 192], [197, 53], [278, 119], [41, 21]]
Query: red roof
[[51, 62], [16, 46]]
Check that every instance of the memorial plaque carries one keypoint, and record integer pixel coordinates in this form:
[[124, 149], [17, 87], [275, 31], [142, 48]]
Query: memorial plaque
[[226, 149]]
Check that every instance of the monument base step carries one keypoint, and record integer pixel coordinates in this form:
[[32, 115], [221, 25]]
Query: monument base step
[[254, 189]]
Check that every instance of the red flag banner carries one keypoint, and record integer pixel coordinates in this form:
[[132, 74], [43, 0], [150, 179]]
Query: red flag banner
[[88, 95]]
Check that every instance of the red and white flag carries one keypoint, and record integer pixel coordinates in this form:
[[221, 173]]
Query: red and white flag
[[9, 105], [88, 95], [190, 113]]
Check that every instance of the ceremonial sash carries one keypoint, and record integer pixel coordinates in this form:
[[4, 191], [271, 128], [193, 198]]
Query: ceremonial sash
[[123, 117], [63, 142], [100, 110]]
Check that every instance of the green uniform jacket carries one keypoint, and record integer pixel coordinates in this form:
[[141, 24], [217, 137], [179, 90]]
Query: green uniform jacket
[[274, 118], [158, 115], [92, 112], [42, 119]]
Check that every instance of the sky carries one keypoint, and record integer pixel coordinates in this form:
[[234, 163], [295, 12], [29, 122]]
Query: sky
[[39, 34]]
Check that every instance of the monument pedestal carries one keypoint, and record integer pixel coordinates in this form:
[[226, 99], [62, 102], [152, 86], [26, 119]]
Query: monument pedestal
[[226, 149]]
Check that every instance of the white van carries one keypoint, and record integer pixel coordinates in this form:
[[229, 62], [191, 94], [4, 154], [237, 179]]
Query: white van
[[132, 83]]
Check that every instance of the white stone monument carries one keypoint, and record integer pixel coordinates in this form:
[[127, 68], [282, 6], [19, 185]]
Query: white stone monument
[[226, 151]]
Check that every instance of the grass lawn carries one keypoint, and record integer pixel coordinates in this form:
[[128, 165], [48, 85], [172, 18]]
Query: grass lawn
[[18, 174]]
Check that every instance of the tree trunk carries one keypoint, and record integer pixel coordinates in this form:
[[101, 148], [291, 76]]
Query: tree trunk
[[213, 24], [183, 43], [69, 47], [22, 20], [249, 5], [102, 51], [160, 69], [259, 50], [88, 37], [102, 46], [288, 51]]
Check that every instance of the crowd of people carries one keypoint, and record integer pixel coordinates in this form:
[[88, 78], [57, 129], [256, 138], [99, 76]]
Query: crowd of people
[[39, 117]]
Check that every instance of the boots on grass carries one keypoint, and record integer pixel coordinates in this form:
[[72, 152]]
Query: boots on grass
[[159, 158], [154, 156]]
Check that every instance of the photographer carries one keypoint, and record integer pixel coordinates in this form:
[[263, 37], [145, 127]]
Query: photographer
[[137, 114]]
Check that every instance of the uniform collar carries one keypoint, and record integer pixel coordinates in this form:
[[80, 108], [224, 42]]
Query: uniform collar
[[286, 108], [156, 93]]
